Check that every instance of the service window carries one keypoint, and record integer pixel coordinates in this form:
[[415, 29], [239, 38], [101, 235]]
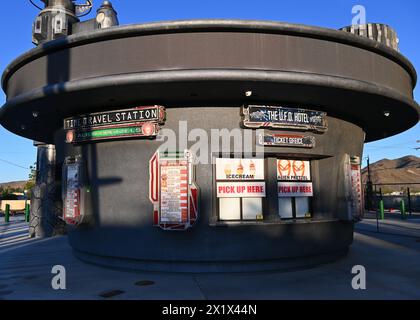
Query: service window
[[286, 207], [240, 188], [294, 188]]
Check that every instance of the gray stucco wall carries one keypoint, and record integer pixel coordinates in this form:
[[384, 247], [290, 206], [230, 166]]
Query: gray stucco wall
[[123, 220]]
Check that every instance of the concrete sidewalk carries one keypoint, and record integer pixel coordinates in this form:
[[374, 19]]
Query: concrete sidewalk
[[391, 259], [14, 234]]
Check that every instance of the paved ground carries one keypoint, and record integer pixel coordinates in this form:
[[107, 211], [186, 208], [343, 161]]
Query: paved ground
[[391, 258]]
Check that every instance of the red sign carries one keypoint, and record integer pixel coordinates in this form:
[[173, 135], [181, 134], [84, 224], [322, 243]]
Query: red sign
[[240, 189], [295, 189], [71, 210], [172, 191], [357, 192]]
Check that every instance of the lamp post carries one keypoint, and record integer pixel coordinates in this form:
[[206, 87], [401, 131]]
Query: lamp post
[[27, 207]]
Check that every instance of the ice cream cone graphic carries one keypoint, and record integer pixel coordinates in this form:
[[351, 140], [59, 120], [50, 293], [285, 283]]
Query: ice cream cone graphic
[[240, 169], [252, 168], [228, 169]]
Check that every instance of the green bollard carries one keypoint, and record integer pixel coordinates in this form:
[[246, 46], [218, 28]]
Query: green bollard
[[27, 212], [381, 210], [7, 214], [403, 216]]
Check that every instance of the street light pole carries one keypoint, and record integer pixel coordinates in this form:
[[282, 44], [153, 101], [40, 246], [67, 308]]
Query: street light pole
[[369, 187]]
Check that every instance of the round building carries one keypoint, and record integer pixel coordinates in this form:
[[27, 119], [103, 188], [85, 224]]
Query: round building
[[283, 109]]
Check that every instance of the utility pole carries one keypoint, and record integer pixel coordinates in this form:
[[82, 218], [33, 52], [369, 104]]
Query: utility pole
[[369, 187]]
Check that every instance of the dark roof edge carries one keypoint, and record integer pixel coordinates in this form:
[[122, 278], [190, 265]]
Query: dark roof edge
[[209, 25]]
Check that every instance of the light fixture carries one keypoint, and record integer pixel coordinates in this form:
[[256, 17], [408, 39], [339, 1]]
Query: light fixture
[[35, 114], [248, 93], [387, 113]]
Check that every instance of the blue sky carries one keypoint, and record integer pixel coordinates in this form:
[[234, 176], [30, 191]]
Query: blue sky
[[16, 24]]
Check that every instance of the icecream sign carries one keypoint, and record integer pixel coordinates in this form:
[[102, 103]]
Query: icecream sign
[[239, 169]]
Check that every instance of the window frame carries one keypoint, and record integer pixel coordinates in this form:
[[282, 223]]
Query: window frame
[[267, 213], [310, 204], [215, 181]]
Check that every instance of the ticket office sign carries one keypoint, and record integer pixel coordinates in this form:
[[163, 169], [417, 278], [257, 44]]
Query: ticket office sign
[[239, 169], [295, 189], [174, 191], [241, 189], [286, 140], [259, 116], [293, 170]]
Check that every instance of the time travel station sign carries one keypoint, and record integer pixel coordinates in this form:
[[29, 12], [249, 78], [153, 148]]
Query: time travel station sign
[[117, 124], [145, 122]]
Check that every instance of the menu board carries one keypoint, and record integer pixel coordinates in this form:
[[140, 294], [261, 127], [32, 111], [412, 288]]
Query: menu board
[[293, 170], [174, 191], [356, 182], [239, 169], [72, 199]]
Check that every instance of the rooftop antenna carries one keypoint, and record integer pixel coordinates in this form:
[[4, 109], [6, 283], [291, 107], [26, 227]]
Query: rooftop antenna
[[81, 9], [60, 18], [57, 17]]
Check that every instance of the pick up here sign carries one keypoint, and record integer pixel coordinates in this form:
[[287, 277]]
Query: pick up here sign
[[240, 189]]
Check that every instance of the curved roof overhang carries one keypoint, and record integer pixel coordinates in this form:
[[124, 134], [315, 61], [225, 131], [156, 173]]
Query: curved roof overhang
[[210, 62]]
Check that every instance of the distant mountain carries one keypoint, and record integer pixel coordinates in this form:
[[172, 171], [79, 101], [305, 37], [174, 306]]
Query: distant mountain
[[13, 184], [402, 170]]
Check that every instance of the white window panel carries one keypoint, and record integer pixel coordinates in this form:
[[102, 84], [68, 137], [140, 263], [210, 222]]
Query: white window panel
[[285, 208], [251, 207], [230, 208], [302, 206]]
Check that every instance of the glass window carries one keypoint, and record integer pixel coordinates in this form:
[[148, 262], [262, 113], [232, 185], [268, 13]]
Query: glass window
[[230, 208], [252, 208], [302, 207], [240, 188], [295, 188], [285, 208]]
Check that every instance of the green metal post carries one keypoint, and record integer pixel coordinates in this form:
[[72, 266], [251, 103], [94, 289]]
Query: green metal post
[[403, 209], [27, 212], [381, 210], [7, 214]]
